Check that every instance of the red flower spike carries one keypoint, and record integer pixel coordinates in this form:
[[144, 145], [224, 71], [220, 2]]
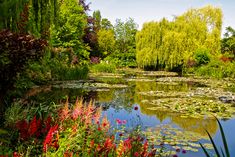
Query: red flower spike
[[48, 140], [22, 126], [33, 126]]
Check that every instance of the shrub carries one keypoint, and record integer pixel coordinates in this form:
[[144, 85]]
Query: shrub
[[217, 69], [15, 51], [202, 56]]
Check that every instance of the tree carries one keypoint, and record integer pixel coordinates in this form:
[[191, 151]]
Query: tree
[[70, 28], [228, 42], [125, 34], [106, 24], [106, 41], [170, 44], [34, 16]]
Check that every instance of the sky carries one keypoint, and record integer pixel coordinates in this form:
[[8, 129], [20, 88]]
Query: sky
[[154, 10]]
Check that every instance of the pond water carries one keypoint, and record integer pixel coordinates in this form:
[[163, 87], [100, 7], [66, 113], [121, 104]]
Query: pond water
[[164, 105]]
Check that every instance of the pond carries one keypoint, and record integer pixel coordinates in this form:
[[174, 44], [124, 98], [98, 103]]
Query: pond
[[176, 110]]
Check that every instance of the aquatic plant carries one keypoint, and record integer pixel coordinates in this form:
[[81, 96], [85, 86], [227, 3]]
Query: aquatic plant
[[223, 152]]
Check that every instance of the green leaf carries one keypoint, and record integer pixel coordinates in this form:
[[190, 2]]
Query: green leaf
[[207, 154]]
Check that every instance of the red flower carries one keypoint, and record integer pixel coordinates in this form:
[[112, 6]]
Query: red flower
[[127, 143], [47, 123], [92, 143], [118, 121], [22, 126], [49, 137], [136, 108], [120, 134], [136, 154], [15, 154], [33, 126]]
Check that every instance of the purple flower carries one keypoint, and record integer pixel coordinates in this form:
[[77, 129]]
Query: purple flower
[[184, 151], [175, 155], [136, 108]]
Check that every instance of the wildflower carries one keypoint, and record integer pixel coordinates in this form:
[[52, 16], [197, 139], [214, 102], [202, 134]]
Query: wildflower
[[65, 111], [118, 121], [184, 151], [124, 122], [108, 144], [22, 126], [127, 143], [15, 154], [105, 122], [136, 154], [49, 137], [92, 143], [33, 126], [47, 124], [68, 154], [136, 108]]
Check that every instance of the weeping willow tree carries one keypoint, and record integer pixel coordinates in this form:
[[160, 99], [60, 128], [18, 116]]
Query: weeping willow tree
[[169, 44], [34, 16]]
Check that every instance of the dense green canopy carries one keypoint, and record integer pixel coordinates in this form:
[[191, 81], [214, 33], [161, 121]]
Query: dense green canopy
[[169, 44]]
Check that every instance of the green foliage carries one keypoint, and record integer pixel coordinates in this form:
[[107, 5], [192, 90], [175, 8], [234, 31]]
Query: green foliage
[[103, 67], [228, 43], [169, 45], [70, 27], [125, 34], [217, 69], [201, 56], [106, 41], [10, 13]]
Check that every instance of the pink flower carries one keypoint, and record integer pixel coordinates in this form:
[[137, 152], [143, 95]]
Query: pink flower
[[118, 121], [124, 122]]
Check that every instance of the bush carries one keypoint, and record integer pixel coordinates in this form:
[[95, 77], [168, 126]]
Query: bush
[[217, 69], [201, 56], [15, 52]]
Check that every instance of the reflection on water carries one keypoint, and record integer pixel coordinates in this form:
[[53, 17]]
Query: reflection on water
[[119, 102]]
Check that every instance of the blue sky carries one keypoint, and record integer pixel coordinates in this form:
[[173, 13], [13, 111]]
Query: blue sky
[[154, 10]]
